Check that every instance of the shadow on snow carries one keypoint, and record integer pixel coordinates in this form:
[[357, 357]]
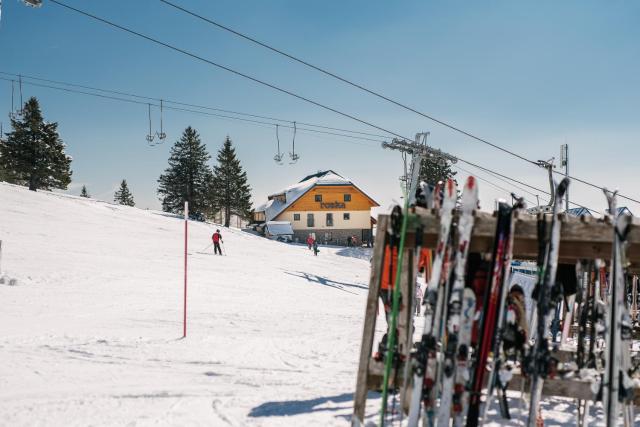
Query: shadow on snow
[[297, 407], [314, 278]]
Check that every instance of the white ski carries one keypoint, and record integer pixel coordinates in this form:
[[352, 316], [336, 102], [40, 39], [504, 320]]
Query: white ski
[[454, 345]]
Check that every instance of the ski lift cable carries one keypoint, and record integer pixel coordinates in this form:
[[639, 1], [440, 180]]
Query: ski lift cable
[[228, 69], [379, 95], [493, 184], [115, 98], [519, 182], [148, 98]]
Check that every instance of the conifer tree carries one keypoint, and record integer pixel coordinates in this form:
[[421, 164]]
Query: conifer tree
[[83, 192], [432, 171], [33, 153], [188, 176], [230, 192], [123, 196]]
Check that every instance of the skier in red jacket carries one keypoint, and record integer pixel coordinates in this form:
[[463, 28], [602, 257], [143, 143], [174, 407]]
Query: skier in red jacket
[[217, 239]]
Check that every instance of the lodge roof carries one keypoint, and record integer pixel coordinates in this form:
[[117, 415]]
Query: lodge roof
[[275, 206]]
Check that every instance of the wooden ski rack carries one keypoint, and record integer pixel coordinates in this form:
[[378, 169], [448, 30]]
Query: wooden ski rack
[[580, 238]]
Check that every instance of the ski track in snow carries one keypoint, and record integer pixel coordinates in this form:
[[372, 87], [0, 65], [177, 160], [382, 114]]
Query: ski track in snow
[[91, 334]]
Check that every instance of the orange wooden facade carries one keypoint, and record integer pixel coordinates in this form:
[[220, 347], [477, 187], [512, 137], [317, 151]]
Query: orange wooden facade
[[333, 199]]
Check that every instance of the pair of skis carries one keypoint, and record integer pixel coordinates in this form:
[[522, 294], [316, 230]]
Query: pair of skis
[[459, 314], [492, 315], [617, 386], [538, 362]]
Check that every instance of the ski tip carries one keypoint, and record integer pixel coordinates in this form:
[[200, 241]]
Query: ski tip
[[471, 182], [451, 187]]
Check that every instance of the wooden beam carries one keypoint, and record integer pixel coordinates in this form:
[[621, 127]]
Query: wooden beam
[[369, 328], [580, 238]]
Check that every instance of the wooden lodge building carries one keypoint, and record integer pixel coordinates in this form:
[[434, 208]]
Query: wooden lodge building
[[326, 204]]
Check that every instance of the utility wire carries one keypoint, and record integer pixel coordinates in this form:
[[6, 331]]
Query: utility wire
[[288, 92], [262, 123], [377, 94], [493, 184], [475, 165], [225, 68], [166, 107], [133, 95], [344, 80]]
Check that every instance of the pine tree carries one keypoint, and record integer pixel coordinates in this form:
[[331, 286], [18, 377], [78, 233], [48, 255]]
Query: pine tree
[[432, 171], [84, 192], [230, 192], [188, 176], [33, 153], [123, 196]]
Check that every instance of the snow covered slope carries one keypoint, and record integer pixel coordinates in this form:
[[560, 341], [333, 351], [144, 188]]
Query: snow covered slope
[[91, 333]]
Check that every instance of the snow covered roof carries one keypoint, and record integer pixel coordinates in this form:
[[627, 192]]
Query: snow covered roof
[[279, 228], [276, 205]]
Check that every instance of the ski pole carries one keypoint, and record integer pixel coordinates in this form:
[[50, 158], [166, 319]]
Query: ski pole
[[207, 247], [224, 252]]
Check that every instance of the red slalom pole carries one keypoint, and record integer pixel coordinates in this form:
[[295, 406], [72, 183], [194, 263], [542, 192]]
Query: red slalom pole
[[186, 222]]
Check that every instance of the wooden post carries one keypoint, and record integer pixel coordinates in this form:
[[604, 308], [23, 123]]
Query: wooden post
[[368, 331]]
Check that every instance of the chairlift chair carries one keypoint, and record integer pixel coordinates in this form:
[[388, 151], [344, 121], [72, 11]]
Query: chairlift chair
[[294, 157], [161, 135], [150, 136], [279, 156]]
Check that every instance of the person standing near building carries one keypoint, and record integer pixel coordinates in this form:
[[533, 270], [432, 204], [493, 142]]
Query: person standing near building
[[217, 239], [310, 241], [315, 248]]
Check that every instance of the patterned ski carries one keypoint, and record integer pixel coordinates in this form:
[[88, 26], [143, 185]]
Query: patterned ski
[[540, 357], [455, 348], [424, 358]]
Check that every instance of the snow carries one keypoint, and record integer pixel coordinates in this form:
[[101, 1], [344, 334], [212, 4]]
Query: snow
[[91, 332]]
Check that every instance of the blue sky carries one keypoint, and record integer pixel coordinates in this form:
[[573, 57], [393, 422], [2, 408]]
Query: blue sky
[[526, 76]]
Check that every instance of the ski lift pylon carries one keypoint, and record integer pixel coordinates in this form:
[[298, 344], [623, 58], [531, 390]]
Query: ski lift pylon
[[294, 157], [278, 157]]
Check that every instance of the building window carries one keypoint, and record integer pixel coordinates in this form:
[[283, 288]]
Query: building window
[[310, 222], [296, 217], [329, 220], [346, 216], [347, 197], [318, 197]]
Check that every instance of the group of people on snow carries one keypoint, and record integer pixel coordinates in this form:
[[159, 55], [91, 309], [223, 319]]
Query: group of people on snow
[[312, 243]]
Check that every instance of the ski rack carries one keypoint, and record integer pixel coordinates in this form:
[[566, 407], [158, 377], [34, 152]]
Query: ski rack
[[580, 238]]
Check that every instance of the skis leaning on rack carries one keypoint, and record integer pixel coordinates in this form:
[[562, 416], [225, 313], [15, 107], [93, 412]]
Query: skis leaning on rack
[[539, 362], [423, 359], [459, 318], [617, 386]]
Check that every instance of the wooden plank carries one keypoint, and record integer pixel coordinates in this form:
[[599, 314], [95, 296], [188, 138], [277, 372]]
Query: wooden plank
[[563, 387], [579, 238], [370, 316]]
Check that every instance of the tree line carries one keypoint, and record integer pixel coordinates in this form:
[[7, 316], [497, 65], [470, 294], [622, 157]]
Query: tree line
[[33, 155]]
